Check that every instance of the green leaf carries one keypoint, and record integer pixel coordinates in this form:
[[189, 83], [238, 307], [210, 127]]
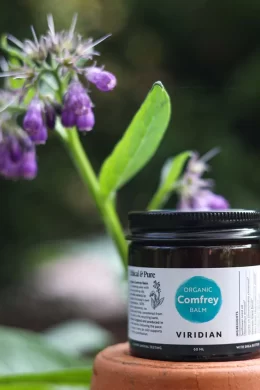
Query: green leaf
[[27, 361], [29, 95], [13, 52], [170, 174], [40, 386], [76, 337], [25, 352], [11, 81], [15, 83], [139, 143], [70, 377]]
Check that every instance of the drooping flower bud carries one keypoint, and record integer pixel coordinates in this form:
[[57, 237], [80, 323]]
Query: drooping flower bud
[[17, 157], [68, 118], [217, 202], [79, 103], [50, 116], [86, 121], [15, 149], [33, 123], [76, 99], [203, 200], [103, 80], [28, 168], [77, 110]]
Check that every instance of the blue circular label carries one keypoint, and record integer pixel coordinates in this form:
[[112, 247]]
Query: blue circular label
[[198, 299]]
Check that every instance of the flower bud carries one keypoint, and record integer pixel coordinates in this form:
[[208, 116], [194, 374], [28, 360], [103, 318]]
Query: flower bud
[[77, 108], [33, 123], [217, 202], [86, 121], [103, 80], [76, 99], [50, 116], [17, 157], [68, 118], [28, 168]]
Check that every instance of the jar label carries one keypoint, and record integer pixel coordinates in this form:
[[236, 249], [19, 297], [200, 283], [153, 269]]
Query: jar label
[[201, 311]]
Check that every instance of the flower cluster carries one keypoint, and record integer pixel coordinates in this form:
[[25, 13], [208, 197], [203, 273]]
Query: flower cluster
[[56, 71], [17, 156], [77, 108], [195, 192]]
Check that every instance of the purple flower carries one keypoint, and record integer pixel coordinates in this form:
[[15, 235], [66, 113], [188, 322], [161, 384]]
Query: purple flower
[[203, 200], [86, 121], [77, 99], [79, 103], [28, 167], [17, 157], [77, 110], [103, 80], [50, 116], [194, 191], [217, 202], [68, 118], [33, 123]]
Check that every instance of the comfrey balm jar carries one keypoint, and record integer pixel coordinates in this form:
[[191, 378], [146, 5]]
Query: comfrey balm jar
[[194, 285]]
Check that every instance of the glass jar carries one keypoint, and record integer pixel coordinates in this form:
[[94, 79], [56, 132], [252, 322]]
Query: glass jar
[[194, 285]]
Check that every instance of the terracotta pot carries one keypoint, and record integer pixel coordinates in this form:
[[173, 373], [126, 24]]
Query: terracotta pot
[[115, 369]]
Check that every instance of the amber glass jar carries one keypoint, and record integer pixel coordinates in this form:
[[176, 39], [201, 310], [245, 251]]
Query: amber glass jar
[[194, 285]]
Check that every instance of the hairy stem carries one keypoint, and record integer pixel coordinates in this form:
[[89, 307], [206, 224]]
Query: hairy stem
[[106, 208]]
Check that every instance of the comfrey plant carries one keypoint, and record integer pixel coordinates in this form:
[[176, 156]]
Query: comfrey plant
[[47, 90], [196, 192]]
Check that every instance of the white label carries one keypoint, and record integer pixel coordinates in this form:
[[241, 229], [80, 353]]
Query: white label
[[199, 306]]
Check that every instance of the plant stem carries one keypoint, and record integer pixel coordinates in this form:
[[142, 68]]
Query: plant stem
[[106, 208]]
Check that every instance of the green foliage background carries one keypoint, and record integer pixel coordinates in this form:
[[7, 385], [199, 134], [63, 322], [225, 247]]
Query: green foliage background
[[207, 55]]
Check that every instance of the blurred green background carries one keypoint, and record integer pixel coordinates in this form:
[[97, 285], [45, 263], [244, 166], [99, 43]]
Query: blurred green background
[[207, 54]]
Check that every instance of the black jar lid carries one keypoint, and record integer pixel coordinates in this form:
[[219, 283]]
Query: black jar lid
[[183, 224]]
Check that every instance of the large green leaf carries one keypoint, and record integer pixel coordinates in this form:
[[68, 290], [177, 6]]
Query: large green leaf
[[76, 337], [40, 386], [170, 174], [70, 377], [139, 143], [30, 386], [25, 352], [27, 361]]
